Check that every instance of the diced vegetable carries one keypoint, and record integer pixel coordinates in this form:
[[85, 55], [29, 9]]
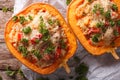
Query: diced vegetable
[[15, 18], [112, 23], [37, 54], [42, 24], [114, 7], [30, 17], [82, 69], [100, 24], [49, 49], [41, 18], [98, 8], [22, 19], [68, 2], [45, 33], [26, 30], [51, 22], [107, 14], [23, 50], [116, 33], [62, 44], [25, 41], [19, 36], [5, 9], [95, 38], [118, 23]]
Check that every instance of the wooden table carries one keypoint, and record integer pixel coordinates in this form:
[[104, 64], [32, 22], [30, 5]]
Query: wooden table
[[6, 59]]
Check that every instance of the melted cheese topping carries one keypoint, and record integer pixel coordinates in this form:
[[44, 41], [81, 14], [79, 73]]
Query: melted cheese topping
[[99, 22], [39, 37]]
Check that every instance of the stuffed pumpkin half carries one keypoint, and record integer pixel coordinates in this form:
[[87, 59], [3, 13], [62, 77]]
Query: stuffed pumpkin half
[[39, 37], [96, 23]]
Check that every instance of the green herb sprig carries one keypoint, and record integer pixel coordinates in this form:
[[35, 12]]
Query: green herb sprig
[[68, 2], [26, 30]]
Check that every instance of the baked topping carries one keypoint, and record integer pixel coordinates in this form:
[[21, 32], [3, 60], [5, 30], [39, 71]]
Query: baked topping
[[39, 37], [99, 21]]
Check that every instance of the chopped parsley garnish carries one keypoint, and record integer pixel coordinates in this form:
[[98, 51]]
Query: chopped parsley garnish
[[118, 23], [112, 23], [37, 41], [22, 19], [45, 33], [24, 41], [107, 14], [15, 18], [114, 7], [100, 24], [82, 69], [95, 38], [62, 44], [50, 48], [116, 33], [57, 22], [23, 50], [51, 22], [26, 30], [42, 24], [10, 72], [30, 17], [68, 2], [46, 37], [13, 74], [43, 30], [97, 7], [4, 9], [41, 18], [101, 11], [37, 54]]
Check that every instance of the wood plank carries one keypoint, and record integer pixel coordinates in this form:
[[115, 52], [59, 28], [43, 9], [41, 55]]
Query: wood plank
[[4, 17], [4, 52], [6, 3], [13, 64]]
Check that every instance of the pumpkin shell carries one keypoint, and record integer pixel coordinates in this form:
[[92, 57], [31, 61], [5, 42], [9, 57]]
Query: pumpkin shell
[[70, 36], [72, 20]]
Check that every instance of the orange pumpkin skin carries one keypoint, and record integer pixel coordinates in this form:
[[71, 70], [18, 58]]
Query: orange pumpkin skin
[[70, 36], [72, 20]]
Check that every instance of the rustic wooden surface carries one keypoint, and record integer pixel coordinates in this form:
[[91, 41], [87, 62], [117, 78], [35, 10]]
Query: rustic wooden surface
[[6, 59]]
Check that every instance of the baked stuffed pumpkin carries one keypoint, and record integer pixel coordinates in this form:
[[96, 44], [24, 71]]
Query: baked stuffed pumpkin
[[40, 38], [96, 23]]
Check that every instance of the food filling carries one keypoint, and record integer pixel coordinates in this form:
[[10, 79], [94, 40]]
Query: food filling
[[39, 37], [99, 21]]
